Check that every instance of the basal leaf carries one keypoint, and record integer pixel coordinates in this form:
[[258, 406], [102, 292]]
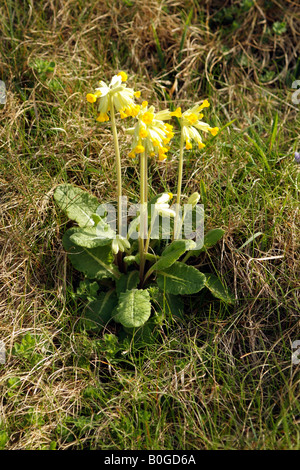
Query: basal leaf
[[216, 287], [100, 311], [168, 304], [127, 281], [95, 263], [79, 205], [91, 237], [211, 238], [171, 253], [180, 279], [134, 308]]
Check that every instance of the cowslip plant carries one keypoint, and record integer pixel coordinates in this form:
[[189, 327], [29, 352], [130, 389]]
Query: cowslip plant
[[134, 261]]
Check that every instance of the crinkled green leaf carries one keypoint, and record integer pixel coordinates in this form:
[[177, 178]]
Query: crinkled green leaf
[[95, 263], [91, 237], [180, 279], [78, 204], [134, 308]]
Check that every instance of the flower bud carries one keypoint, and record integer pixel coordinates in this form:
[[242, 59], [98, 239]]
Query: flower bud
[[194, 199]]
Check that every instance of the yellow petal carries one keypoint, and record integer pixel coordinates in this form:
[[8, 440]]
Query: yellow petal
[[177, 112], [205, 104], [214, 130], [123, 76], [91, 98], [139, 149], [143, 133], [147, 118]]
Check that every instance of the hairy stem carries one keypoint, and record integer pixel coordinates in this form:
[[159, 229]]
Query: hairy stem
[[118, 163], [179, 184], [142, 214]]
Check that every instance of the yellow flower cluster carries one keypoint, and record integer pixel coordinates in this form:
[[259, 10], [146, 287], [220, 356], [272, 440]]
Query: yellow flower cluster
[[116, 92], [151, 133], [191, 123]]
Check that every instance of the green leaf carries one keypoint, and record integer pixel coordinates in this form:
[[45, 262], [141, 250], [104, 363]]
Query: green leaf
[[180, 279], [144, 335], [203, 192], [79, 205], [127, 281], [279, 27], [3, 439], [134, 308], [91, 237], [95, 263], [171, 253], [87, 290], [210, 239], [216, 287], [100, 311], [168, 304], [130, 259]]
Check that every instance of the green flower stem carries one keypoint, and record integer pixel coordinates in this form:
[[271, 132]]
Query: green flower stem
[[143, 179], [118, 163], [146, 177], [179, 183], [148, 240]]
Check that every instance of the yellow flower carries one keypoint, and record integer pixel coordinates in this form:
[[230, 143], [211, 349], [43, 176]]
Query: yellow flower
[[191, 125], [214, 130], [139, 149], [91, 98], [123, 98], [147, 117], [177, 112], [143, 133], [102, 117], [151, 132], [123, 76]]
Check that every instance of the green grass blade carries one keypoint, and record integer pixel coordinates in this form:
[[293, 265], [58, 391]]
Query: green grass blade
[[158, 48], [261, 153], [186, 25], [274, 131]]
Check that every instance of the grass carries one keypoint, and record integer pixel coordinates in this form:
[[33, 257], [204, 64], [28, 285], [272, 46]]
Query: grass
[[222, 378]]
